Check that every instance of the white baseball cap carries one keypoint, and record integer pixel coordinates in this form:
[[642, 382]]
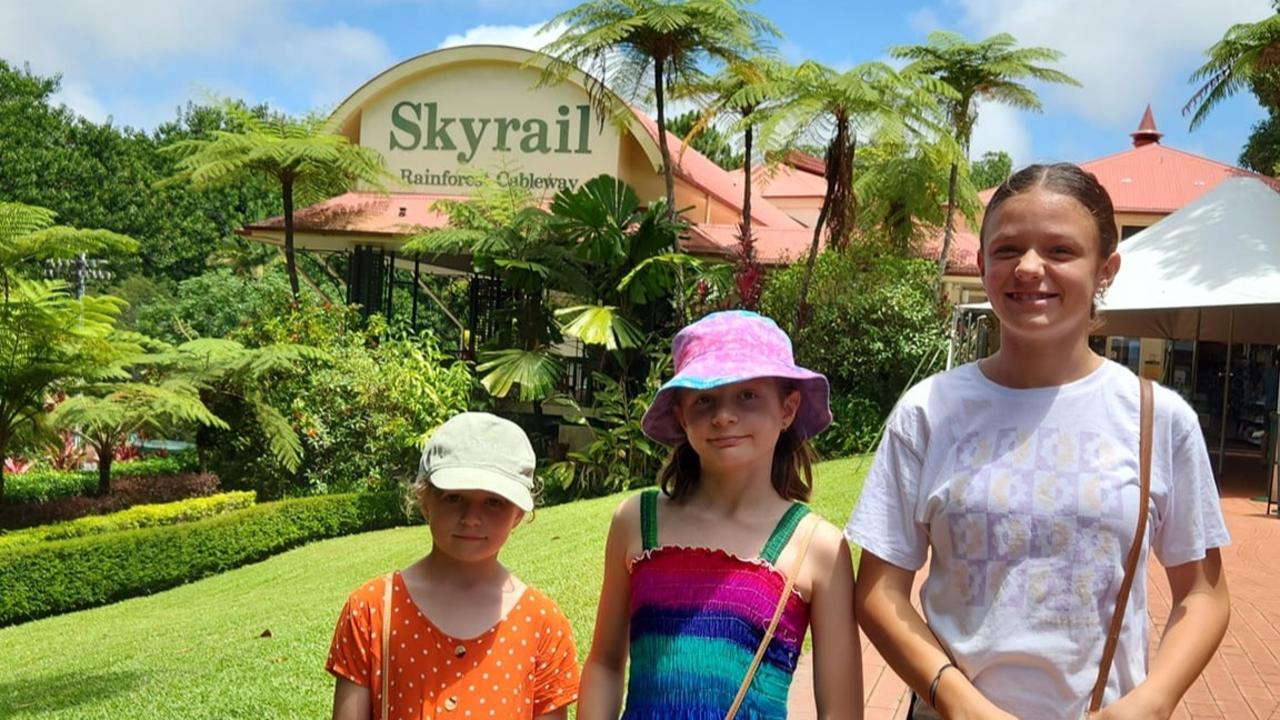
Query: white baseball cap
[[480, 451]]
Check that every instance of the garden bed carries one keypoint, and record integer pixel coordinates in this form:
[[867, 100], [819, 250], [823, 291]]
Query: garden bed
[[125, 492], [58, 576]]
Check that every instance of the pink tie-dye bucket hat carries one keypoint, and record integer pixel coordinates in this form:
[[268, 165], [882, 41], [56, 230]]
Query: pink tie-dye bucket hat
[[728, 347]]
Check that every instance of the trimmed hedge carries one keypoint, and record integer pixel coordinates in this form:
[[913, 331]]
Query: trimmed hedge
[[42, 485], [138, 516], [64, 575]]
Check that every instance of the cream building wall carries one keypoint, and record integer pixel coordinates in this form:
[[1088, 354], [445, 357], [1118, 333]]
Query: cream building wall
[[439, 116]]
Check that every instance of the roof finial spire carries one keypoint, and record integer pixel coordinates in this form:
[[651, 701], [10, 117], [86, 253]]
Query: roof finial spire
[[1146, 133]]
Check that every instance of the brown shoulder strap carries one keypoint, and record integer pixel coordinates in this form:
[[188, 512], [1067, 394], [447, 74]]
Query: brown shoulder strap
[[796, 564], [386, 643], [1135, 550]]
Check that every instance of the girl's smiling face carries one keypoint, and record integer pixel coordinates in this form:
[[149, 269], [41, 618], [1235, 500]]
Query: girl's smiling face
[[737, 424], [1042, 266]]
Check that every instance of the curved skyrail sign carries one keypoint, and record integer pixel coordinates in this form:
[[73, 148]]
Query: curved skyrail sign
[[477, 109]]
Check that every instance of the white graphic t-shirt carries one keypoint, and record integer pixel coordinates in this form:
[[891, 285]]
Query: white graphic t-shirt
[[1028, 501]]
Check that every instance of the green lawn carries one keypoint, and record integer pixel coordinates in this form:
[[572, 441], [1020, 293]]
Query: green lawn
[[196, 651]]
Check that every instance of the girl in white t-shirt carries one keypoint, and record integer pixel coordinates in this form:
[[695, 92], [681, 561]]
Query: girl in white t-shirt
[[1017, 476]]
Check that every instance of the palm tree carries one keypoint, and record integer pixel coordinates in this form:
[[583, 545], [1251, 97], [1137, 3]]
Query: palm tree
[[898, 187], [1248, 55], [308, 160], [107, 419], [991, 70], [825, 103], [620, 42], [741, 88]]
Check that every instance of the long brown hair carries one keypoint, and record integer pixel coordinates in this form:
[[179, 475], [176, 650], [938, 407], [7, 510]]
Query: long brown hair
[[791, 475]]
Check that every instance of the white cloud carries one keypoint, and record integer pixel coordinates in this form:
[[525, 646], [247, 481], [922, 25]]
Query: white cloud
[[85, 37], [1125, 54], [100, 48], [925, 20], [81, 101], [521, 36], [1000, 127], [333, 61]]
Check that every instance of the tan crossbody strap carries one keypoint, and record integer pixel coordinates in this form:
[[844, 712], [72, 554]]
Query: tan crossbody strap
[[1135, 550], [386, 643], [773, 624]]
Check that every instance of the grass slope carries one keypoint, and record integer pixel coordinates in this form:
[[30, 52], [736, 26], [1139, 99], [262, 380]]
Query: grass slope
[[196, 651]]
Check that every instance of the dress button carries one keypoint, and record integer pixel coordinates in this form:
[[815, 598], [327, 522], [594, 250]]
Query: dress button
[[451, 703], [460, 651]]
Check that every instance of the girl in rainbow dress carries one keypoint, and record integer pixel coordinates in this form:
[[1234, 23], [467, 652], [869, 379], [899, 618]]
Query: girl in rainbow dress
[[710, 585]]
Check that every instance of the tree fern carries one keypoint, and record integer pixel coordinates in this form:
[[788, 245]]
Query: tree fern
[[282, 438], [994, 70], [303, 155]]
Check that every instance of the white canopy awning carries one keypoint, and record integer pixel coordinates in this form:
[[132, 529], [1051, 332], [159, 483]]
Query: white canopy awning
[[1216, 258]]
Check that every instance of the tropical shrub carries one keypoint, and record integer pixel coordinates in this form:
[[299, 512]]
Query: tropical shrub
[[596, 266], [360, 414], [619, 455], [365, 416], [138, 516], [855, 428], [64, 575], [125, 492], [216, 303], [873, 328]]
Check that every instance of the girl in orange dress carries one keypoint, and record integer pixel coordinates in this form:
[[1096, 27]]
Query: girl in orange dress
[[456, 634]]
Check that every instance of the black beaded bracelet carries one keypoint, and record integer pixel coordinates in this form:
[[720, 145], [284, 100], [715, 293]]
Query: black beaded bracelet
[[933, 686]]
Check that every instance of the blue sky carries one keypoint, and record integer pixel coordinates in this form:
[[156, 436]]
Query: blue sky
[[137, 61]]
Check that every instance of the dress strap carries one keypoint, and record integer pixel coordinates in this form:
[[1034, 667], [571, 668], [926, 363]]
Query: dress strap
[[649, 518], [782, 533]]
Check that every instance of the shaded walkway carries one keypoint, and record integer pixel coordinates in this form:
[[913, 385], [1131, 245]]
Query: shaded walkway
[[1242, 681]]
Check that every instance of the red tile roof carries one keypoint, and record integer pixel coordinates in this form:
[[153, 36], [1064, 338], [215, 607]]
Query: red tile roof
[[397, 214], [366, 213], [774, 246], [806, 162], [783, 180], [1149, 178], [964, 251], [695, 169], [1158, 179]]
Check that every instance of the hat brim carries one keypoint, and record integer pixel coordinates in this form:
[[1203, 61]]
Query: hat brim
[[813, 417], [474, 478]]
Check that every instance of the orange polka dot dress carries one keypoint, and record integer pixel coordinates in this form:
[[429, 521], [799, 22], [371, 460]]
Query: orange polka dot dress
[[523, 667]]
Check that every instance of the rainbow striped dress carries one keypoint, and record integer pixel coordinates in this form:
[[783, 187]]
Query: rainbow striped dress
[[697, 617]]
